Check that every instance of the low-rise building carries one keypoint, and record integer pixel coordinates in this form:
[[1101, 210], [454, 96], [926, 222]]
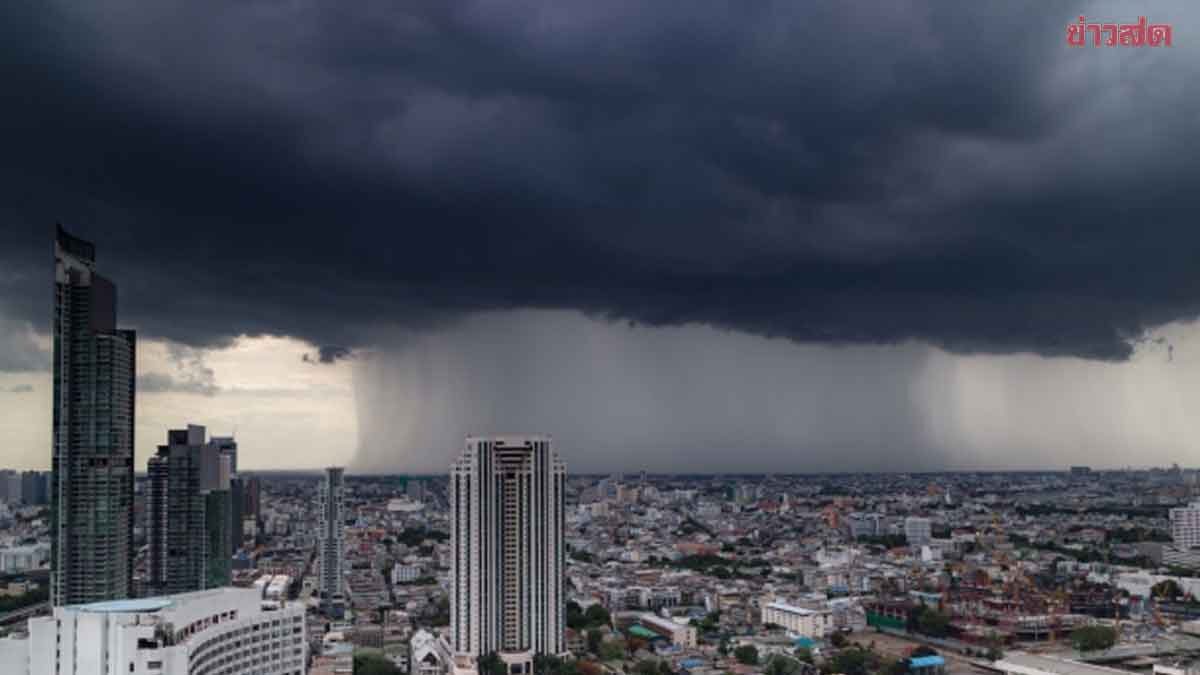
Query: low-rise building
[[800, 621]]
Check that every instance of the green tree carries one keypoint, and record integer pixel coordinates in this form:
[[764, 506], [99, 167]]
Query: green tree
[[746, 654], [374, 663], [1093, 638], [595, 638], [612, 650], [838, 640], [575, 618], [490, 664], [782, 665], [804, 654], [854, 661], [646, 667], [597, 615], [932, 622], [1168, 589], [441, 612], [709, 623], [995, 651]]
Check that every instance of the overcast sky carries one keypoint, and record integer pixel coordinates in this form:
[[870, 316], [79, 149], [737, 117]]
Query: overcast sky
[[794, 236]]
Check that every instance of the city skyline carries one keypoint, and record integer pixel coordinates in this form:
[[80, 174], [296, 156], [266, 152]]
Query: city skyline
[[747, 239]]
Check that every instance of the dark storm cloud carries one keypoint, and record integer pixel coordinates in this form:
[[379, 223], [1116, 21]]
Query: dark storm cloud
[[826, 172], [19, 350]]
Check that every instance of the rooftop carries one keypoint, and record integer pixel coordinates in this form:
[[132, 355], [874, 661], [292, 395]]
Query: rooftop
[[1032, 664], [127, 606]]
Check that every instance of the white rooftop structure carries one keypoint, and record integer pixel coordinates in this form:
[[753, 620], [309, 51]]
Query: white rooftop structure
[[1022, 663], [185, 634]]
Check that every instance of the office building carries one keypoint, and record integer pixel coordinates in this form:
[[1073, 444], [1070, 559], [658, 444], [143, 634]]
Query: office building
[[35, 487], [506, 536], [91, 491], [227, 445], [189, 514], [1185, 526], [918, 531], [10, 487], [237, 504], [331, 543], [211, 632]]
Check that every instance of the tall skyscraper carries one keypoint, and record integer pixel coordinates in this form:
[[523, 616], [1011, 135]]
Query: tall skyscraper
[[227, 445], [506, 534], [331, 541], [189, 514], [91, 486]]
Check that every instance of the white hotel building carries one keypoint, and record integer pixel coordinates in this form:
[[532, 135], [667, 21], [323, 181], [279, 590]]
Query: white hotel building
[[506, 534], [221, 631]]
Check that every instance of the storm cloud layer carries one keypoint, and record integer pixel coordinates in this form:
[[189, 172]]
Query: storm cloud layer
[[826, 172]]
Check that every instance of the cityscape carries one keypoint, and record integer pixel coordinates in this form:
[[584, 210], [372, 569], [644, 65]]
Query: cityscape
[[507, 564], [599, 337]]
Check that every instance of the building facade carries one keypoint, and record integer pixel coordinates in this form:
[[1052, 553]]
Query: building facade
[[800, 621], [1185, 526], [91, 485], [506, 535], [188, 514], [215, 632], [918, 531], [331, 543]]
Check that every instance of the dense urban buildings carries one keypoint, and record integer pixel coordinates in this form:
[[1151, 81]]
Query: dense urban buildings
[[94, 376], [689, 572], [189, 514], [216, 632], [331, 540], [506, 500]]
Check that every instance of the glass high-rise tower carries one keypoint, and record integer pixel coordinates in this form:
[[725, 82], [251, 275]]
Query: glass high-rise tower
[[331, 539], [91, 485], [189, 514], [506, 536]]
